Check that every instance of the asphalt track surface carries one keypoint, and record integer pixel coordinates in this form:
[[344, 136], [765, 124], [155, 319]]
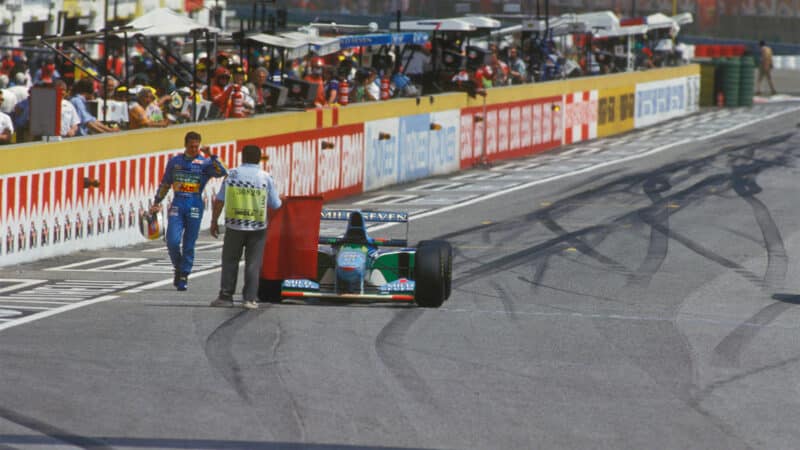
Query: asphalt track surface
[[635, 292]]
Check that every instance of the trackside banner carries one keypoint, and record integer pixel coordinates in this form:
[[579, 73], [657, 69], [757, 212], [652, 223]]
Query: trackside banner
[[657, 101], [59, 210], [510, 130], [327, 162], [404, 149]]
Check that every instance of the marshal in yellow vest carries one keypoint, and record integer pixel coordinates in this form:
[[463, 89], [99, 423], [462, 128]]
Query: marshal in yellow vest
[[242, 203]]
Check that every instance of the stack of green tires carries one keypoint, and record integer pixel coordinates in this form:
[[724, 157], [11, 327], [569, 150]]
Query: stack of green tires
[[747, 81], [731, 74]]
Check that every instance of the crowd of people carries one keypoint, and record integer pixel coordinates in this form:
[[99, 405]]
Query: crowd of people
[[156, 91]]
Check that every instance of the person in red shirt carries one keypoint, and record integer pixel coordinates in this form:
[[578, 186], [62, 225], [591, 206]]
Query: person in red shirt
[[315, 77], [220, 90]]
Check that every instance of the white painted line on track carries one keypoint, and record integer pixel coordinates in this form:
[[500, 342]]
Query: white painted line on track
[[19, 283], [119, 263], [52, 312], [588, 169], [157, 284], [199, 246], [24, 307], [32, 300]]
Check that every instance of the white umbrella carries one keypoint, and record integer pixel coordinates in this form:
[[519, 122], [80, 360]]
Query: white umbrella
[[166, 22]]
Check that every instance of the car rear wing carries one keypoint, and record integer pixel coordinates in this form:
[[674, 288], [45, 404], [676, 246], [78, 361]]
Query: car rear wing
[[379, 242], [368, 216]]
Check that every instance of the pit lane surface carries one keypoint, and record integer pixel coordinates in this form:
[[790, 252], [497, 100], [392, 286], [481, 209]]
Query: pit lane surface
[[625, 293]]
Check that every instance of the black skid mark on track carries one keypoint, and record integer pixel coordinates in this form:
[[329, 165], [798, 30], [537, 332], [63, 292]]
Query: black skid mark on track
[[584, 248], [777, 261], [701, 395], [728, 352], [710, 255], [658, 245], [506, 298], [527, 254], [52, 431], [389, 346], [218, 349]]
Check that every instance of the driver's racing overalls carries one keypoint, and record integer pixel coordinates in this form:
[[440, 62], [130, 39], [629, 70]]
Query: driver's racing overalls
[[187, 177]]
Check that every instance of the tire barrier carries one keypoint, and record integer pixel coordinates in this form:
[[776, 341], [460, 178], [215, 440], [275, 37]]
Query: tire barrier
[[747, 81], [731, 76]]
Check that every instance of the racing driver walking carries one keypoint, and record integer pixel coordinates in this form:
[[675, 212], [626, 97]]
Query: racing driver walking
[[187, 175]]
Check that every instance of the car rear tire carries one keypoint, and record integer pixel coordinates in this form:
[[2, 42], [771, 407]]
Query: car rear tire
[[269, 291], [431, 273], [446, 251]]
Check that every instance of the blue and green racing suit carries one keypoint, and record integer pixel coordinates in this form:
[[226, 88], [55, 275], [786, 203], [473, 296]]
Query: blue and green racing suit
[[187, 177]]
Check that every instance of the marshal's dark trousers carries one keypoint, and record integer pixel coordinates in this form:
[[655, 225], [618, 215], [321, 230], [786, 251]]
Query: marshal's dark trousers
[[252, 242]]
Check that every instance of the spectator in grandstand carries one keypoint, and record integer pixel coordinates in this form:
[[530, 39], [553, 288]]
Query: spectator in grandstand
[[403, 86], [331, 83], [220, 90], [22, 116], [500, 70], [6, 126], [7, 63], [518, 72], [258, 90], [314, 76], [84, 91], [765, 68], [484, 77], [46, 73], [69, 116], [20, 79], [372, 86], [604, 60], [138, 112], [239, 79], [417, 63], [111, 85]]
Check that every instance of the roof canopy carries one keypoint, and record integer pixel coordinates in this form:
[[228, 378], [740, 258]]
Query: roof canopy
[[481, 22], [293, 48], [437, 25], [660, 21], [166, 22]]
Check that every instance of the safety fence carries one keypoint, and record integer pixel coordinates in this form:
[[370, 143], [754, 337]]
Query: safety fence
[[86, 193]]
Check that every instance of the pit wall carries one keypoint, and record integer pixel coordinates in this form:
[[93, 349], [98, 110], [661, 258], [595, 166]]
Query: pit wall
[[49, 204]]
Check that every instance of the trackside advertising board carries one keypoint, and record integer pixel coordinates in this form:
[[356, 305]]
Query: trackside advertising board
[[54, 211], [327, 162], [657, 101], [408, 148], [511, 129], [616, 109], [580, 116]]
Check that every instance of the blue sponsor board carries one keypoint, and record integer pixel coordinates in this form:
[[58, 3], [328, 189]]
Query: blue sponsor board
[[414, 147], [443, 157], [369, 40], [381, 158], [658, 101]]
